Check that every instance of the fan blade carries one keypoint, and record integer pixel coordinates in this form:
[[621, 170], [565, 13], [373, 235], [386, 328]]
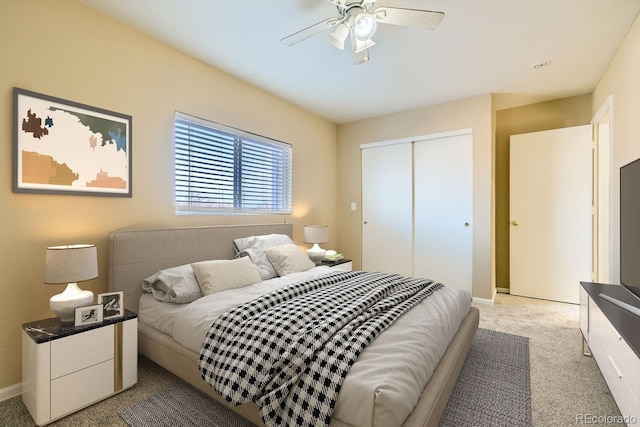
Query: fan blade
[[425, 19], [297, 37]]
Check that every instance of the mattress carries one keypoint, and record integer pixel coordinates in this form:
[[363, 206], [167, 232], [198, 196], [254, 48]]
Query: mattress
[[384, 384]]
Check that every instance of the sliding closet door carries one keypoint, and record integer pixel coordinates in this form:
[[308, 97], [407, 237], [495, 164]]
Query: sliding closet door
[[443, 186], [387, 208]]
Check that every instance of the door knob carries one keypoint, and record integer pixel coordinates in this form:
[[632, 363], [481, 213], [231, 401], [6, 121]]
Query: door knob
[[515, 223]]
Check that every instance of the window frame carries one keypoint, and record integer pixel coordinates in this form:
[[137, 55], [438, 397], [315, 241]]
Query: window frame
[[251, 153]]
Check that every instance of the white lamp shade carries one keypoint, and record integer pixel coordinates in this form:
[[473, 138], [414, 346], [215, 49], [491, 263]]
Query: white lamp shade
[[316, 234], [70, 264]]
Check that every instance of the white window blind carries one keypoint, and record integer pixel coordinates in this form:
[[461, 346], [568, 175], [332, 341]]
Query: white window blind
[[219, 169]]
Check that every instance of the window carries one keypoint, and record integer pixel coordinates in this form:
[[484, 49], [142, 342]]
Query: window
[[219, 169]]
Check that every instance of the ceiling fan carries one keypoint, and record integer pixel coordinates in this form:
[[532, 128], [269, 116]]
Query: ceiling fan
[[358, 20]]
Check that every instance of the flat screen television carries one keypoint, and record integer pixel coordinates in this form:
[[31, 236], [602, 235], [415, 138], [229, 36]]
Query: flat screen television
[[630, 227]]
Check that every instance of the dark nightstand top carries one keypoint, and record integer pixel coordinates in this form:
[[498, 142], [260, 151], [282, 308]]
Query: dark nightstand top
[[51, 329], [334, 263]]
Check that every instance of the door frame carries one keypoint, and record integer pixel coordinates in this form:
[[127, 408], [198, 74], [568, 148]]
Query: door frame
[[417, 138], [602, 236]]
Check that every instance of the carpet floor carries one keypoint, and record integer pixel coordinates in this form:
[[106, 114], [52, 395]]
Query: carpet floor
[[181, 405]]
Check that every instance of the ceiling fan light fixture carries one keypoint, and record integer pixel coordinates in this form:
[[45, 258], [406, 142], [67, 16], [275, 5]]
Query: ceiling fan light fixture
[[339, 35], [362, 45], [365, 26]]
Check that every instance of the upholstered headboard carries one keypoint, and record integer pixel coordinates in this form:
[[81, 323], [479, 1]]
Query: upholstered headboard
[[136, 254]]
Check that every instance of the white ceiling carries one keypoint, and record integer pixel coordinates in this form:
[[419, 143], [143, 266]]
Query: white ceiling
[[481, 47]]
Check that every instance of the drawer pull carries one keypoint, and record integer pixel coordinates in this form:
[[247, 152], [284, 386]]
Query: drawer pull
[[615, 367]]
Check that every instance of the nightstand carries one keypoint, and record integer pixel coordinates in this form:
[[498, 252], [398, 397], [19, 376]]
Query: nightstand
[[66, 368], [341, 264]]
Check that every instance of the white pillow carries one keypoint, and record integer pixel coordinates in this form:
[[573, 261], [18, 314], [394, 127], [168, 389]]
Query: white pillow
[[287, 259], [254, 247], [220, 275], [177, 285]]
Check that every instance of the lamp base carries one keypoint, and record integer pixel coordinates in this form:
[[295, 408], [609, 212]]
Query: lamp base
[[316, 254], [64, 304]]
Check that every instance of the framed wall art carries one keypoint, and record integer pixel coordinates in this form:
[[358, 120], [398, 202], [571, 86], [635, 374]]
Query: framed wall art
[[63, 147]]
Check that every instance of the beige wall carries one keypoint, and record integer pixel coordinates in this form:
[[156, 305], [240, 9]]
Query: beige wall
[[556, 114], [63, 49], [621, 82], [475, 113]]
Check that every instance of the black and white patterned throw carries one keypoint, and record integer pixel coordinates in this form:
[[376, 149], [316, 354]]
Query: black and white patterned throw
[[289, 351]]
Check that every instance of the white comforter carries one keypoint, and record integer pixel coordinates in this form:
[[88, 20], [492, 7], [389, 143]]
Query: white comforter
[[384, 384]]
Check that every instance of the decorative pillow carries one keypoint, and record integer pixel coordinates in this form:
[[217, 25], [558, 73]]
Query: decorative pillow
[[220, 275], [176, 285], [254, 246], [287, 259]]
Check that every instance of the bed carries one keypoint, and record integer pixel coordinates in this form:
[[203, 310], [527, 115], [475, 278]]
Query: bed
[[136, 254]]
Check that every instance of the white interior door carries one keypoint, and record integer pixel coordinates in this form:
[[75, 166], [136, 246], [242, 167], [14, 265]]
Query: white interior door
[[550, 210], [443, 210], [387, 208]]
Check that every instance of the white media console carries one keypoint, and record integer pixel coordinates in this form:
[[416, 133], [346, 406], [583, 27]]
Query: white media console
[[613, 336]]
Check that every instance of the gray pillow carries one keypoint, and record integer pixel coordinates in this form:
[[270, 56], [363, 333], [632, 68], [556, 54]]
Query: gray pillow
[[254, 246], [287, 259], [177, 285]]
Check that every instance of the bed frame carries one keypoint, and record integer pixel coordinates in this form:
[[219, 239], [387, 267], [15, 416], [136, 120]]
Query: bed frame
[[137, 254]]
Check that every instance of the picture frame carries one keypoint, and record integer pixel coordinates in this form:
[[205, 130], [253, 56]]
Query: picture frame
[[65, 147], [88, 315], [112, 304]]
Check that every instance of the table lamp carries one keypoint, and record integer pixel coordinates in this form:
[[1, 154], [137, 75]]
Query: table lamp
[[316, 234], [70, 264]]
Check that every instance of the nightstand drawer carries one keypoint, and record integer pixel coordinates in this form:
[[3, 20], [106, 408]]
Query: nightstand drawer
[[80, 351], [82, 388]]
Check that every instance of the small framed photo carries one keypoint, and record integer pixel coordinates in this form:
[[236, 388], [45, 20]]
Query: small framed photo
[[88, 315], [112, 304]]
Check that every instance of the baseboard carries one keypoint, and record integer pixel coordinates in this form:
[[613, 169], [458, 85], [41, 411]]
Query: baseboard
[[503, 290], [11, 391], [484, 300]]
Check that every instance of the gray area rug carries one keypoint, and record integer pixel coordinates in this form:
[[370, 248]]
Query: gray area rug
[[181, 405], [494, 386], [493, 390]]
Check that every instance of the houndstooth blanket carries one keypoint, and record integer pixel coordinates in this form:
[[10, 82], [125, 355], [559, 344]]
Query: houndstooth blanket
[[289, 351]]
